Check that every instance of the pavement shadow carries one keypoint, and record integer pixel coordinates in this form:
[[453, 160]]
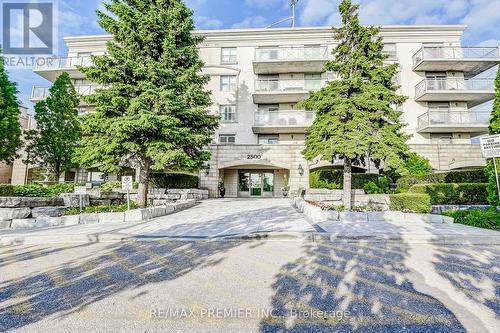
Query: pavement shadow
[[70, 287], [346, 286], [274, 218], [473, 270]]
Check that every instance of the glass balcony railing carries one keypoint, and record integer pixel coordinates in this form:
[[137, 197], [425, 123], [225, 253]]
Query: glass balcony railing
[[292, 53], [41, 93], [65, 63], [289, 85], [450, 118], [453, 84], [434, 53], [299, 118]]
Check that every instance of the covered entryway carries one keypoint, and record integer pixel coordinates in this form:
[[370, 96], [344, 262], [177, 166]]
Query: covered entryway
[[245, 179]]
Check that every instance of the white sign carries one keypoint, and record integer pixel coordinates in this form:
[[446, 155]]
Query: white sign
[[490, 146], [80, 190], [127, 183]]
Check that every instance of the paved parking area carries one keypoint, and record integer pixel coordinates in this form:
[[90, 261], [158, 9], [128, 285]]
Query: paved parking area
[[250, 286]]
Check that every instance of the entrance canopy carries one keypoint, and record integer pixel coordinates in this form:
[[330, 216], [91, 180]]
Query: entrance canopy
[[254, 164]]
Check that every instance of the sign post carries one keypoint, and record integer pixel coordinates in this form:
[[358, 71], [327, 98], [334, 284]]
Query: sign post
[[127, 185], [490, 146], [81, 191]]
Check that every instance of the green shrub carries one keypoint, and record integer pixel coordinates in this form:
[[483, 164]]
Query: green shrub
[[417, 165], [372, 188], [488, 219], [6, 190], [174, 180], [470, 176], [453, 194], [411, 202], [492, 184], [334, 179], [57, 189], [109, 186], [102, 209], [31, 191]]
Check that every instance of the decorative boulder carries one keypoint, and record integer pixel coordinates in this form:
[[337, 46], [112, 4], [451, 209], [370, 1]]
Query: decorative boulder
[[48, 211], [73, 200], [7, 214]]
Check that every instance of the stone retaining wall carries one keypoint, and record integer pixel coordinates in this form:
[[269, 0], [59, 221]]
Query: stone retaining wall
[[15, 202], [316, 215], [131, 216], [359, 198]]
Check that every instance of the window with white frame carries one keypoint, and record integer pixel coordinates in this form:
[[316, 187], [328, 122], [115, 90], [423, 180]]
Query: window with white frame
[[227, 139], [228, 83], [229, 55], [269, 139], [390, 50], [228, 113]]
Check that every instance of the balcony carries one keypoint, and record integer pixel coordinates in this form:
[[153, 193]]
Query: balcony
[[51, 69], [41, 93], [472, 91], [470, 60], [277, 60], [275, 91], [289, 121], [452, 121]]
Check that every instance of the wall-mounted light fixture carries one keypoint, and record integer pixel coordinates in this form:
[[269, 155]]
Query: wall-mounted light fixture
[[301, 170]]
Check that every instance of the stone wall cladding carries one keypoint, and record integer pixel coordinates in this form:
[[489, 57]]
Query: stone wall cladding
[[14, 202]]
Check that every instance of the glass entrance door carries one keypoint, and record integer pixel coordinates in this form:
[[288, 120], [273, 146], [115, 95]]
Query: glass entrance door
[[256, 184]]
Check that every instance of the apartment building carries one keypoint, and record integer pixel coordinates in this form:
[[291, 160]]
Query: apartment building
[[259, 75]]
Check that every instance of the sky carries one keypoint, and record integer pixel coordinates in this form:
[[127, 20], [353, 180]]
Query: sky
[[77, 17]]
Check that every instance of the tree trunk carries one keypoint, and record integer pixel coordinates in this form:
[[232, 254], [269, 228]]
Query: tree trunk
[[142, 193], [347, 195]]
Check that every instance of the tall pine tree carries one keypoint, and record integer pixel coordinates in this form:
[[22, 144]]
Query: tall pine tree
[[52, 143], [494, 129], [356, 114], [153, 115], [10, 128]]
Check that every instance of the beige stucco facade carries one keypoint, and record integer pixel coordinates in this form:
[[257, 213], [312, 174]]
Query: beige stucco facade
[[259, 75]]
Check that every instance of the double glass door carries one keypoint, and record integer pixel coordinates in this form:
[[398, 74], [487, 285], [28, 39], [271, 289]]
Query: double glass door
[[256, 184]]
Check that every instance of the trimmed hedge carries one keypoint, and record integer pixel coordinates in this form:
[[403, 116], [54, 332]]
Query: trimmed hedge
[[488, 219], [35, 190], [411, 202], [6, 190], [454, 194], [334, 179], [470, 176], [174, 180]]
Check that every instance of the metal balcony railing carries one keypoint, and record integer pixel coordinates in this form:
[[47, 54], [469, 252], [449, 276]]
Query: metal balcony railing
[[453, 84], [432, 53], [458, 118], [65, 63], [41, 93], [289, 85], [299, 118], [291, 53]]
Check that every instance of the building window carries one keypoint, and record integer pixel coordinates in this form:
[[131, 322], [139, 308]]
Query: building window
[[441, 138], [229, 55], [228, 113], [269, 139], [228, 83], [227, 139], [390, 50]]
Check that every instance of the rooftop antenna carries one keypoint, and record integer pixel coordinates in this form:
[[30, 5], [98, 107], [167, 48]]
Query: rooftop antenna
[[293, 3]]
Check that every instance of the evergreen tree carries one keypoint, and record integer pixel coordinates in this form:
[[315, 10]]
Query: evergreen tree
[[10, 128], [52, 143], [494, 129], [356, 114], [153, 113]]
